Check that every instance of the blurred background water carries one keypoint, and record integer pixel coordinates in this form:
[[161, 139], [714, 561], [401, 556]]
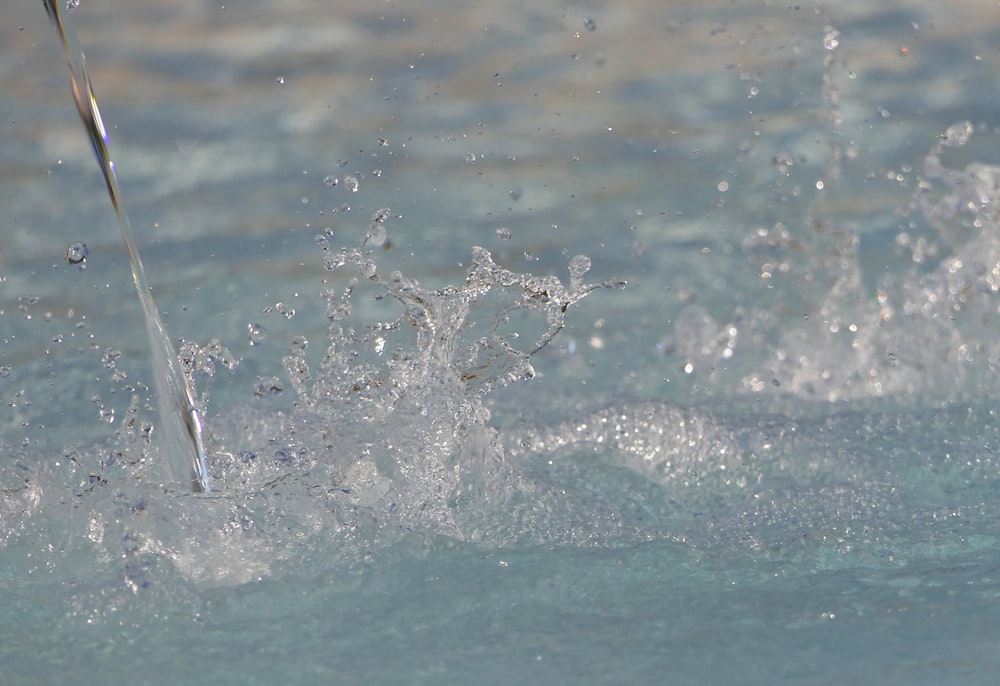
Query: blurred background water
[[771, 458]]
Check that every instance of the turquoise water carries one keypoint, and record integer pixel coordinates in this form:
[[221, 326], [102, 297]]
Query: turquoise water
[[769, 458]]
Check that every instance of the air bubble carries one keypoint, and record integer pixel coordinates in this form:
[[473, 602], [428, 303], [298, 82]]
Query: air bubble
[[590, 24], [5, 371], [77, 253]]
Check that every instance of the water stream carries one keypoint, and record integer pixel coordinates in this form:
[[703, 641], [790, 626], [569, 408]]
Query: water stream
[[180, 418]]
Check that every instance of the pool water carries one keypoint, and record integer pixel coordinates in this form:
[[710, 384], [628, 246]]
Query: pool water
[[536, 343]]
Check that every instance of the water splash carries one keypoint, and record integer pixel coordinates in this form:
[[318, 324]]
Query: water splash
[[389, 439], [180, 423]]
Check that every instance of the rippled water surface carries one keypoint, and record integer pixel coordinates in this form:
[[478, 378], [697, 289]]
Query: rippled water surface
[[535, 342]]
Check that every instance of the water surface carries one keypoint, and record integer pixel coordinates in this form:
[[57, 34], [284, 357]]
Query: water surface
[[770, 458]]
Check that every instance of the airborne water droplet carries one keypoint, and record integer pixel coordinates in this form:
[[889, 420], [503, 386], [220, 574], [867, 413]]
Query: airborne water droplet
[[957, 134], [831, 39], [256, 333], [578, 266], [77, 253], [284, 310], [376, 234], [110, 357]]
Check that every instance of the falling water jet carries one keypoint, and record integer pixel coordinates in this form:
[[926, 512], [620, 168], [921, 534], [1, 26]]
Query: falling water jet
[[181, 420]]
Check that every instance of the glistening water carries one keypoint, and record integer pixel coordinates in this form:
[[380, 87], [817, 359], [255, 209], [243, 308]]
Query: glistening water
[[438, 454]]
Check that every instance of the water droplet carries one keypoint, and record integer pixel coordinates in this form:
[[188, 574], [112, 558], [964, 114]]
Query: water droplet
[[297, 370], [72, 5], [5, 371], [957, 134], [831, 39], [330, 181], [590, 24], [503, 233], [300, 342], [284, 310], [256, 333], [281, 80], [77, 253], [351, 183], [110, 357], [376, 234], [578, 266]]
